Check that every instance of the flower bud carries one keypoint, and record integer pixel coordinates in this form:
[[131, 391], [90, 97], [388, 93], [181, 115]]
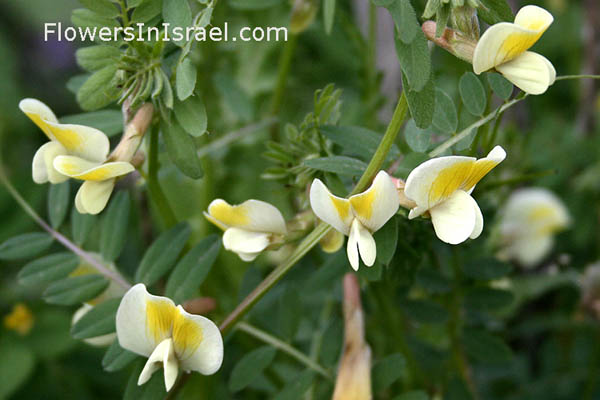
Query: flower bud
[[451, 40], [134, 132], [464, 20], [303, 14]]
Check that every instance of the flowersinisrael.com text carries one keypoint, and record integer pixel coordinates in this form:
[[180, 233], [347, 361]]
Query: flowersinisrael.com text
[[141, 33]]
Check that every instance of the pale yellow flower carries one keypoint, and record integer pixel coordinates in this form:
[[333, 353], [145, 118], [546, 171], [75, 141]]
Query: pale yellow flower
[[19, 320]]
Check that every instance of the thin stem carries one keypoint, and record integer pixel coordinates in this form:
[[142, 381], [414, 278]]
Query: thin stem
[[565, 77], [286, 348], [112, 275], [285, 64], [156, 192], [322, 228], [465, 132]]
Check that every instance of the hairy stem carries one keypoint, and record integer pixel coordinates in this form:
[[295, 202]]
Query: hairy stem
[[286, 348], [98, 266]]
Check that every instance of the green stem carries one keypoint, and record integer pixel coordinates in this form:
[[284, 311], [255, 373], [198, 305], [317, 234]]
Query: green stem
[[286, 348], [321, 230], [235, 135], [285, 64], [465, 132], [156, 193], [492, 139], [565, 77], [84, 255]]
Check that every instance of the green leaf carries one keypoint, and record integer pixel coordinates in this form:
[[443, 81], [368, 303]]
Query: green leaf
[[328, 15], [167, 92], [387, 370], [85, 18], [75, 290], [147, 10], [357, 140], [98, 321], [99, 90], [58, 203], [93, 58], [177, 13], [296, 387], [114, 226], [405, 20], [289, 312], [18, 362], [182, 150], [445, 117], [154, 389], [81, 226], [386, 239], [162, 254], [417, 139], [413, 395], [432, 280], [415, 62], [234, 96], [421, 104], [185, 79], [500, 85], [102, 7], [337, 164], [116, 358], [48, 269], [472, 93], [250, 366], [25, 245], [371, 274], [495, 11], [253, 4], [192, 269], [191, 115], [108, 121], [133, 3], [486, 269], [486, 348], [425, 311], [485, 298]]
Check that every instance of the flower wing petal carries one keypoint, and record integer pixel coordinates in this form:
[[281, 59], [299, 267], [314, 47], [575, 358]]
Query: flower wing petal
[[42, 168], [243, 241], [198, 343], [92, 196], [454, 218], [334, 210], [83, 141], [505, 41], [253, 215], [40, 114], [478, 228], [530, 72], [79, 168], [143, 320], [375, 206]]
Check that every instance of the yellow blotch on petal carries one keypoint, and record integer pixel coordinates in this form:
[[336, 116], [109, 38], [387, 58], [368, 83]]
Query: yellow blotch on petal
[[229, 215], [69, 138], [187, 335], [160, 315], [463, 175], [363, 203], [516, 44], [342, 206], [19, 320]]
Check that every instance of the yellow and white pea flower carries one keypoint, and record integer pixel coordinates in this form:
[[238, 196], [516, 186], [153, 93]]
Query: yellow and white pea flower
[[74, 151], [359, 216], [504, 47], [154, 327], [249, 227], [529, 221], [442, 186]]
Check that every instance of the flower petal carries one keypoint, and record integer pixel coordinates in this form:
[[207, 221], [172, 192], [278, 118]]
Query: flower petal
[[505, 41], [40, 114], [360, 242], [530, 250], [83, 141], [352, 248], [478, 228], [98, 341], [375, 206], [198, 343], [437, 179], [454, 218], [243, 241], [163, 354], [334, 210], [143, 320], [253, 215], [79, 168], [42, 168], [530, 72], [332, 241], [92, 196]]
